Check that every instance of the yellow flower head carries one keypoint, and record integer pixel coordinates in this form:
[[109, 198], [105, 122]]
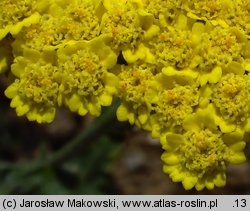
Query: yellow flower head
[[218, 46], [163, 11], [86, 84], [199, 156], [220, 12], [34, 92], [231, 97], [176, 41], [137, 89], [63, 21], [77, 19], [172, 107], [15, 14], [126, 22]]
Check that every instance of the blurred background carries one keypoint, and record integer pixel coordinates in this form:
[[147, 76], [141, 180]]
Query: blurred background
[[86, 155]]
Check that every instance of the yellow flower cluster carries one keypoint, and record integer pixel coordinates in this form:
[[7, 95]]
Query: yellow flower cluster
[[59, 57], [180, 68], [187, 82]]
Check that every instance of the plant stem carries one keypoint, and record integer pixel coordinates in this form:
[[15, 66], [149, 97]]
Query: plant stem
[[87, 135], [95, 129]]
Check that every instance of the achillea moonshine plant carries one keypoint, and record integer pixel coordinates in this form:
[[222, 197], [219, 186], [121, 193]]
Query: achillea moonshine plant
[[185, 78]]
